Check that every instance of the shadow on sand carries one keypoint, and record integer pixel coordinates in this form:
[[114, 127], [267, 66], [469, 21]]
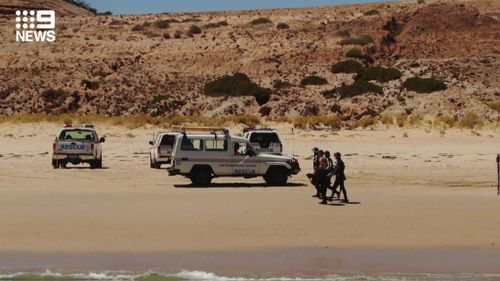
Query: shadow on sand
[[239, 185]]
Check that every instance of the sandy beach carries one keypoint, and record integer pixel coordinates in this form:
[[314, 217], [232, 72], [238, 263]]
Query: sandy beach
[[415, 195]]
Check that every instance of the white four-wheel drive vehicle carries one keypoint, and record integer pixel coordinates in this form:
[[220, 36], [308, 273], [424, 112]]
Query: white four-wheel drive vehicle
[[264, 140], [77, 145], [202, 157], [161, 150]]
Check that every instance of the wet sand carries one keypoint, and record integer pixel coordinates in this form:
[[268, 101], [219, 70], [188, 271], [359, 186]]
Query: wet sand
[[416, 210]]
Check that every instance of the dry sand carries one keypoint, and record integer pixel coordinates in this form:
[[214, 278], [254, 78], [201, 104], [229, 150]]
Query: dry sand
[[437, 196]]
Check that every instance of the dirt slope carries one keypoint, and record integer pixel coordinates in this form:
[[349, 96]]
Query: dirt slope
[[62, 8], [121, 65]]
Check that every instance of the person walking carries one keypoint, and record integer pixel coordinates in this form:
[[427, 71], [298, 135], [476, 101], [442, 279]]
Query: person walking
[[321, 177], [339, 177], [329, 170], [313, 177]]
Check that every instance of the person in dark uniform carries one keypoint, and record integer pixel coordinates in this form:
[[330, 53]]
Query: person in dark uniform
[[339, 177], [329, 170], [312, 177], [321, 176]]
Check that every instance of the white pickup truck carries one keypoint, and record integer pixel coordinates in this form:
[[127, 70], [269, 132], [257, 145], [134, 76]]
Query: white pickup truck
[[161, 150], [77, 145], [202, 157]]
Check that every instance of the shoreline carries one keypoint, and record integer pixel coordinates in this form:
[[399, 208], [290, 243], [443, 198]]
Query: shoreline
[[299, 262]]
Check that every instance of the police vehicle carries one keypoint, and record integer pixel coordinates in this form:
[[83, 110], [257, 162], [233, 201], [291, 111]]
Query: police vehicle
[[202, 157], [76, 145]]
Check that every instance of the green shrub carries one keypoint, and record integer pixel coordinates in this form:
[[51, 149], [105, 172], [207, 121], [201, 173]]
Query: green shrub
[[89, 85], [313, 80], [282, 25], [53, 95], [343, 33], [354, 53], [159, 98], [357, 88], [424, 85], [178, 34], [237, 85], [372, 12], [361, 40], [280, 84], [138, 27], [166, 35], [162, 23], [495, 105], [194, 29], [347, 66], [379, 74], [260, 21], [217, 24], [421, 1]]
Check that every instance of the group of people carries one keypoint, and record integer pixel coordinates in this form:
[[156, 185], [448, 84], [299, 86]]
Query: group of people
[[324, 170]]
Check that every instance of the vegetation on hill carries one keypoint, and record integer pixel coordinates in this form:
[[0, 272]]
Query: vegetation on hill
[[313, 80], [357, 88], [354, 53], [424, 85], [82, 4], [347, 66], [237, 85], [260, 21], [372, 12], [361, 40], [380, 74]]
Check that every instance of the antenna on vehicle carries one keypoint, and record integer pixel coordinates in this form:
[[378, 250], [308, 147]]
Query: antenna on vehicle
[[498, 174]]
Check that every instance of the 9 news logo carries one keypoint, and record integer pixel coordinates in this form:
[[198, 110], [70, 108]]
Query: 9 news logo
[[35, 26]]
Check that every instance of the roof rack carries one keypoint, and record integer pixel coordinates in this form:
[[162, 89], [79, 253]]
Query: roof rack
[[198, 129], [248, 129]]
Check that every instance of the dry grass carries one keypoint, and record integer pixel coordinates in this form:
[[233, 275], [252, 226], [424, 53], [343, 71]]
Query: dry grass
[[316, 122], [134, 121]]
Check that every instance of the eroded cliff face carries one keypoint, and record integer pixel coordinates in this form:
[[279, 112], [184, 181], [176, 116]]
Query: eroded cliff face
[[122, 65]]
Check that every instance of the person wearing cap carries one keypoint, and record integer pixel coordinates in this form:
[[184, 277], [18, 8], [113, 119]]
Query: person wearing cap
[[339, 177]]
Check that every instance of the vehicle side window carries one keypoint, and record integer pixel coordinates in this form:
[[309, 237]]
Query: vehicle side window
[[240, 148], [216, 145], [168, 140], [191, 144]]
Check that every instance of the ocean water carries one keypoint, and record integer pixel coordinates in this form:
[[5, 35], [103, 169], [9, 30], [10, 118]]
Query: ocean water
[[207, 276]]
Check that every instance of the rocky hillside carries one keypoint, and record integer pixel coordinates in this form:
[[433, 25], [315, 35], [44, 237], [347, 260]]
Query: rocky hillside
[[62, 7], [159, 64]]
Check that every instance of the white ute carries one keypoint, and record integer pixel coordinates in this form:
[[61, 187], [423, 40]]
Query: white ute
[[77, 145], [161, 150], [202, 157], [264, 140]]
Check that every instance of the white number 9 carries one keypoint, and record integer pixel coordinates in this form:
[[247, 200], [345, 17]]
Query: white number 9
[[47, 18]]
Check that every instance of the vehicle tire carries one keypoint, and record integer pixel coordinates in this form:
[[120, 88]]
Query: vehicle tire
[[201, 177], [55, 164], [276, 176]]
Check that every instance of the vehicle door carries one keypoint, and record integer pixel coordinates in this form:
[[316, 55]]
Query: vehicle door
[[244, 163], [166, 145]]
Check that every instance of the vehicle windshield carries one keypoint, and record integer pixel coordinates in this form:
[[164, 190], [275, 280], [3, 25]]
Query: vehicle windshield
[[264, 139], [77, 134]]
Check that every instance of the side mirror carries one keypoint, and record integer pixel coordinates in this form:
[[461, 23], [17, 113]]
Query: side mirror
[[251, 153], [151, 143], [102, 140]]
